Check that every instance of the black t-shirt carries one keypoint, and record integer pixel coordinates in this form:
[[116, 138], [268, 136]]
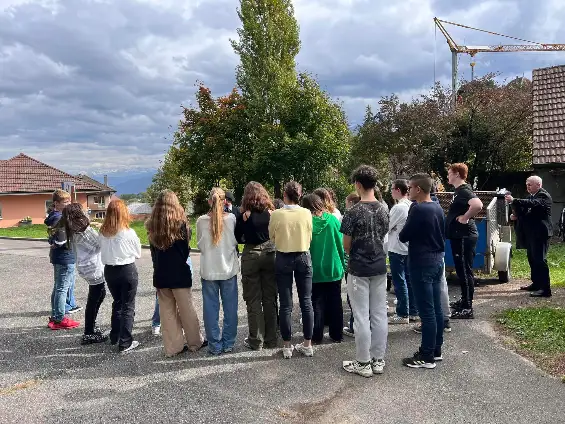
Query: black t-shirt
[[170, 270], [459, 206], [255, 230], [367, 224]]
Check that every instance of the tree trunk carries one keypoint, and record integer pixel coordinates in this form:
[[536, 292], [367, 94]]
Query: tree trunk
[[278, 189]]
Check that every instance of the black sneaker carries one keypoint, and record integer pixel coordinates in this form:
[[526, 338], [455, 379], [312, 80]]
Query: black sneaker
[[456, 305], [75, 310], [418, 361], [93, 338], [463, 314]]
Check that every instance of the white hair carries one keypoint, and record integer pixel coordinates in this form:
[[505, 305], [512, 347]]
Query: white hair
[[535, 179]]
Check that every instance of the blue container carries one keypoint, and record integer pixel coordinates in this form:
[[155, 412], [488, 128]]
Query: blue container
[[480, 262]]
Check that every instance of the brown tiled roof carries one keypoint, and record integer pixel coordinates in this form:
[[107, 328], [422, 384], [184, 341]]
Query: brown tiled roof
[[23, 174], [486, 197], [549, 115], [101, 187]]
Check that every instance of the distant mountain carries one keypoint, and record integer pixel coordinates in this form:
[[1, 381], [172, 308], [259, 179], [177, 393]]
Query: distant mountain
[[128, 183]]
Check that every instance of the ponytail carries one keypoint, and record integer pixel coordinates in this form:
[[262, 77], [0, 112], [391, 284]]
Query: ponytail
[[217, 198]]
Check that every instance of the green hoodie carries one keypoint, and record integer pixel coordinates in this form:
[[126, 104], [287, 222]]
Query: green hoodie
[[326, 249]]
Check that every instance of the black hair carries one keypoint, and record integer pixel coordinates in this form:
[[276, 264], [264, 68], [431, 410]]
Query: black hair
[[366, 176]]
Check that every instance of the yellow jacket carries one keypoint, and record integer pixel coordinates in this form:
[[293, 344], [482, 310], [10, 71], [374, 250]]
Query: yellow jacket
[[290, 229]]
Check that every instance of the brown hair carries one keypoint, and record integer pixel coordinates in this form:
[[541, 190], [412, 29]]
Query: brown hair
[[313, 203], [401, 185], [117, 218], [74, 220], [164, 226], [217, 198], [424, 181], [279, 204], [293, 191], [256, 198], [60, 195], [353, 198], [332, 195], [326, 198], [461, 169]]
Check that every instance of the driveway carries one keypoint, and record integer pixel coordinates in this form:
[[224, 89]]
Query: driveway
[[47, 376]]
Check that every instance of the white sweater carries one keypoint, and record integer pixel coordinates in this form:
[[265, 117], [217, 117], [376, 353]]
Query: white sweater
[[217, 263], [122, 249], [398, 217]]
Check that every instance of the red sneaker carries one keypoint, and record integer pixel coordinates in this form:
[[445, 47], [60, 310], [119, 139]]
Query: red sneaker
[[65, 324]]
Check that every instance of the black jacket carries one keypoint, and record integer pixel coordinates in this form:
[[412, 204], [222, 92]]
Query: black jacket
[[534, 215], [170, 270]]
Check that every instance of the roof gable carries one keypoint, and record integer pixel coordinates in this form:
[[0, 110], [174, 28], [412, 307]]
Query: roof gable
[[549, 115], [23, 174]]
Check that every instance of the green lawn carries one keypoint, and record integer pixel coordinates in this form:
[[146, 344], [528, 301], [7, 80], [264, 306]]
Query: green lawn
[[40, 231], [555, 259]]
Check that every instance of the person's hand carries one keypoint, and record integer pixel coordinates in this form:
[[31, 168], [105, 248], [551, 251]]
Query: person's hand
[[246, 215], [513, 217], [509, 198], [462, 220]]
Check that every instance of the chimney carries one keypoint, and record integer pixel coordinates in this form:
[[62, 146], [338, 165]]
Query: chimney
[[105, 180]]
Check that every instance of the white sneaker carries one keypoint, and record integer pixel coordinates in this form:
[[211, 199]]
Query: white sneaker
[[131, 347], [287, 352], [156, 330], [378, 366], [396, 301], [356, 367], [395, 319], [306, 351], [347, 331]]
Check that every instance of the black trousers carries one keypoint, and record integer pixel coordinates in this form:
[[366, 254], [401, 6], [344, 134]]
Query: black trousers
[[122, 282], [464, 251], [328, 306], [299, 265], [96, 295], [536, 249]]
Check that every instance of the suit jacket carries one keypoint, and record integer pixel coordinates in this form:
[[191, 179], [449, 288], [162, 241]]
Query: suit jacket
[[534, 215]]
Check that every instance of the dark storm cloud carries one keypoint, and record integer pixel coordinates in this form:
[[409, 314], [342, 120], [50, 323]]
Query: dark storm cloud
[[96, 85]]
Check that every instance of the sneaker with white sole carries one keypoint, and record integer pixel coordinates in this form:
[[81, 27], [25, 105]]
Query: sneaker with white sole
[[287, 352], [74, 310], [306, 351], [356, 367], [378, 366], [131, 347], [348, 332], [156, 330], [418, 361], [395, 319]]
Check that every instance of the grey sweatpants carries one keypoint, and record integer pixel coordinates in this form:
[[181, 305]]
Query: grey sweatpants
[[444, 295], [368, 302]]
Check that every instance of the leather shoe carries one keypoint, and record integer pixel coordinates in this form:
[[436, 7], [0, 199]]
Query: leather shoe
[[528, 288], [540, 293]]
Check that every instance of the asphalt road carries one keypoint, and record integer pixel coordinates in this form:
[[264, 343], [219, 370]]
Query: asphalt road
[[48, 377]]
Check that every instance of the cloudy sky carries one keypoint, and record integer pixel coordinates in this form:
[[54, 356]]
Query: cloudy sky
[[96, 86]]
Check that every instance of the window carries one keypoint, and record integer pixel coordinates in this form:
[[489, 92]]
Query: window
[[99, 200], [100, 215]]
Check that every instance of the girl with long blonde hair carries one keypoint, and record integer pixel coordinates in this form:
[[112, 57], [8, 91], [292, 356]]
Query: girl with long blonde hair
[[119, 248], [169, 241], [219, 266]]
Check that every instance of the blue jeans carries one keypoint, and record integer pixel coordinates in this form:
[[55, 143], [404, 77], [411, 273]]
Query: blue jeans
[[426, 282], [212, 291], [156, 320], [406, 304], [71, 301], [64, 276]]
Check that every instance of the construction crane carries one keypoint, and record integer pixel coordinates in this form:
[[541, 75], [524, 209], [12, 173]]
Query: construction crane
[[456, 49]]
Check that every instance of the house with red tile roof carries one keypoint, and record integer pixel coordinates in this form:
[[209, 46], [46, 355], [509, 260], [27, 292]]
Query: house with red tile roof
[[27, 185], [548, 87]]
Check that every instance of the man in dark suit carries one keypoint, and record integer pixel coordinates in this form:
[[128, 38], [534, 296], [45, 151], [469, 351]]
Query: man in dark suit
[[534, 216], [230, 206]]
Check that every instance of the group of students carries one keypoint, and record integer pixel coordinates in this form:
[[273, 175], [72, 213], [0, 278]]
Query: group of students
[[305, 240]]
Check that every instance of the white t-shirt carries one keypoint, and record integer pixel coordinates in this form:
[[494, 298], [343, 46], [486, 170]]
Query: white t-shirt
[[217, 263], [337, 214], [398, 217], [122, 249]]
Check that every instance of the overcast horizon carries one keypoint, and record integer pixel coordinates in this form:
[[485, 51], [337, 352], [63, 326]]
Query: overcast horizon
[[96, 86]]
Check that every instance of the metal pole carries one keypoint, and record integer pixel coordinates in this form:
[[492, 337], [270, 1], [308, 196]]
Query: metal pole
[[454, 78]]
